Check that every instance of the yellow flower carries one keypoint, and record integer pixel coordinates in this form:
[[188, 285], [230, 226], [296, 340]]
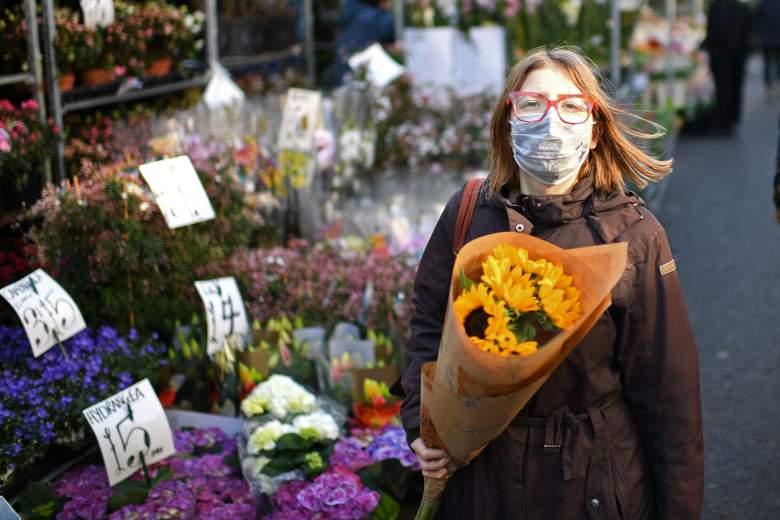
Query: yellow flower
[[475, 297], [561, 305]]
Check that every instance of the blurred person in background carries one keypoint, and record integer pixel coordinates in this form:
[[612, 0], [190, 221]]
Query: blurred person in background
[[361, 23], [728, 32], [768, 18]]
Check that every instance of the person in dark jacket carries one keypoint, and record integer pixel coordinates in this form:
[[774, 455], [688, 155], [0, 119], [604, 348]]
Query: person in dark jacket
[[361, 23], [727, 42], [768, 20], [558, 174]]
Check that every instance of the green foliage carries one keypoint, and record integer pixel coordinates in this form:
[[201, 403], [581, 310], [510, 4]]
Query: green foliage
[[109, 246], [39, 501]]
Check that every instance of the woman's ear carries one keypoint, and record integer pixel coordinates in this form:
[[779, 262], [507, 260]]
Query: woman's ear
[[594, 141]]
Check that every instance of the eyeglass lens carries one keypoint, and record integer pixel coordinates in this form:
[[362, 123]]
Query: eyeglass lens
[[531, 108]]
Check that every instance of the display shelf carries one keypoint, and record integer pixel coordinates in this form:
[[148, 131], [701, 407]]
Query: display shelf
[[11, 79], [132, 95], [231, 62]]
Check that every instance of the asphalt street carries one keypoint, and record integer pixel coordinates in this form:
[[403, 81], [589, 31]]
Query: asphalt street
[[719, 216]]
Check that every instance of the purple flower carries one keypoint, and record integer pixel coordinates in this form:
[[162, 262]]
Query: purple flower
[[336, 494]]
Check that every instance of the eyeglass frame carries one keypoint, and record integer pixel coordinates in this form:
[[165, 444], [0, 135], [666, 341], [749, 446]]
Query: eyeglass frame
[[549, 104]]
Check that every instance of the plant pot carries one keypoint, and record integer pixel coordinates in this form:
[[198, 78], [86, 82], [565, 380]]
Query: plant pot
[[66, 81], [94, 77], [159, 67]]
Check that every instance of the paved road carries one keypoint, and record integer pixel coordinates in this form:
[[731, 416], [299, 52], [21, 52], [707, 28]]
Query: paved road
[[720, 220]]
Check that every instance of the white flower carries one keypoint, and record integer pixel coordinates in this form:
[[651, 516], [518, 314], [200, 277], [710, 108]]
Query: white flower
[[280, 396], [318, 425], [264, 437]]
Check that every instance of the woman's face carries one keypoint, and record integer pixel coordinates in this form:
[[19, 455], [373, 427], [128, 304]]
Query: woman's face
[[552, 83]]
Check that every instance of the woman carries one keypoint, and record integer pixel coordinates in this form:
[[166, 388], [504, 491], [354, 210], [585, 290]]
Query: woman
[[559, 161]]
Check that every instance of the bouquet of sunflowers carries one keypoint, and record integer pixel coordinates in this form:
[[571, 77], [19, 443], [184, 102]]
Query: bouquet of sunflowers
[[517, 307]]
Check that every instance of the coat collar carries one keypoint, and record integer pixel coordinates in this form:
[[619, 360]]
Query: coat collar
[[608, 214]]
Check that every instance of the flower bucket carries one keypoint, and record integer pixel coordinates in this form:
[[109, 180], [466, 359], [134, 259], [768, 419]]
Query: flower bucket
[[66, 81], [257, 359], [94, 77], [159, 67]]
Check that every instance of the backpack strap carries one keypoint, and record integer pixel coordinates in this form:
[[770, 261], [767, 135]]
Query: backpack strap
[[466, 211]]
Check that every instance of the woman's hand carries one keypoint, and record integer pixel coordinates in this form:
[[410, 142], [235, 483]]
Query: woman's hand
[[434, 462]]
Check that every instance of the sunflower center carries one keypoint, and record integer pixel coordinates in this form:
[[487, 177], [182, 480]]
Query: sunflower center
[[476, 323]]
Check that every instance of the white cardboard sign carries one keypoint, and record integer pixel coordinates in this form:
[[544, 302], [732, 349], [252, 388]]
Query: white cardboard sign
[[98, 13], [301, 111], [177, 191], [225, 313], [7, 512], [131, 429], [48, 313], [382, 69]]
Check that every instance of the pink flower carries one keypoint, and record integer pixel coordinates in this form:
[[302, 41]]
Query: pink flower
[[30, 104]]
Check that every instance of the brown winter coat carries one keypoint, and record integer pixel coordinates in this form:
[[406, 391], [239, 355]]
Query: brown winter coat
[[625, 404]]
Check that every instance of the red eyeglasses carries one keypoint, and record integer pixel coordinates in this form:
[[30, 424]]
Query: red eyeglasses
[[531, 107]]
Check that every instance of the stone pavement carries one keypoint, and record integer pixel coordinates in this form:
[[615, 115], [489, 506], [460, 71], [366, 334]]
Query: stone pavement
[[719, 216]]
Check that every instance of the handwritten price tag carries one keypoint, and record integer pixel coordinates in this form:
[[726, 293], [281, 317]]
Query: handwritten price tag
[[132, 430], [98, 13], [225, 312], [48, 313], [301, 111], [177, 191]]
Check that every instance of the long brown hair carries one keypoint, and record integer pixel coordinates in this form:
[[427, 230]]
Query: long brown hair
[[615, 157]]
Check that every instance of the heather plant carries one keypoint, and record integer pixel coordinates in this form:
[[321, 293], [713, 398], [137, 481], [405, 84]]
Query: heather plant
[[103, 238], [325, 283]]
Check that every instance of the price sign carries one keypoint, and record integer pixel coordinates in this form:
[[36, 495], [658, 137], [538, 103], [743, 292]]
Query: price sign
[[132, 430], [48, 313], [225, 312], [301, 111], [98, 13], [7, 512], [177, 191]]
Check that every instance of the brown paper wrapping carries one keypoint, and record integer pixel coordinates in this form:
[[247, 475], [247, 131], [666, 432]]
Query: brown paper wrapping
[[470, 396]]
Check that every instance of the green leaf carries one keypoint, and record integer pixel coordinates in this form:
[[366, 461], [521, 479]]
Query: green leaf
[[387, 508], [39, 501], [293, 442], [211, 450], [465, 283], [127, 492], [232, 461], [523, 330], [164, 474], [389, 476], [278, 466]]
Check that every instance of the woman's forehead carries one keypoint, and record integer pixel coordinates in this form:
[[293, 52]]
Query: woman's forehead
[[550, 82]]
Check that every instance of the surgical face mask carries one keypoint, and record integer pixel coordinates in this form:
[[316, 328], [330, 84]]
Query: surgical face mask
[[550, 150]]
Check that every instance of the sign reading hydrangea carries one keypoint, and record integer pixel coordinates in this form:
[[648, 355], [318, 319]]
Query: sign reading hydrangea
[[132, 430]]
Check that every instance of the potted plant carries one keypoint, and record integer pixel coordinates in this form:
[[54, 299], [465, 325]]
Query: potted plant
[[161, 23]]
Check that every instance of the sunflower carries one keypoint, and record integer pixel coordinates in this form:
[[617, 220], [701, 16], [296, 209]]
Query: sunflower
[[475, 297]]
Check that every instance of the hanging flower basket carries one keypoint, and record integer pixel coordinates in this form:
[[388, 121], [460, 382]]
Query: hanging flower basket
[[159, 67]]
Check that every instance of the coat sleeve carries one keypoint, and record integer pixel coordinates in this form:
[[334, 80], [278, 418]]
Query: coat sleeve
[[660, 370], [429, 301]]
